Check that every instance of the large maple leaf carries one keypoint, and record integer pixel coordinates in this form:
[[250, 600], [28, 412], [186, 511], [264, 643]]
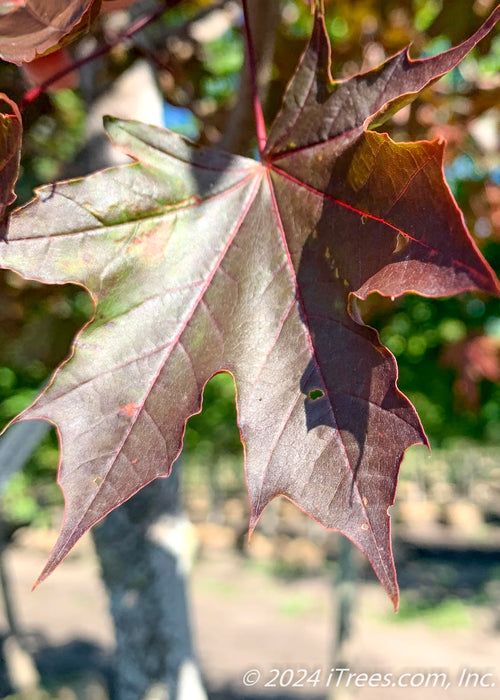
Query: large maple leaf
[[200, 262]]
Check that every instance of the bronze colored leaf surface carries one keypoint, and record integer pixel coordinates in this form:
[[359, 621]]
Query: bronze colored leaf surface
[[29, 28], [11, 129], [200, 262]]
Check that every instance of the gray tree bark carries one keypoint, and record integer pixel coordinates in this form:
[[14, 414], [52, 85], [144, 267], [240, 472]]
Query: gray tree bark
[[143, 547]]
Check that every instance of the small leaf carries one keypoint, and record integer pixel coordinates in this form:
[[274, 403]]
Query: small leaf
[[30, 28]]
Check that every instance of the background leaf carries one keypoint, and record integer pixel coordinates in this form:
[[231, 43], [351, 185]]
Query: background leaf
[[10, 152], [29, 28]]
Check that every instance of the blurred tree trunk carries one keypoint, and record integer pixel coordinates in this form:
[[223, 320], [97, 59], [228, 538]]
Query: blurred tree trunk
[[144, 550]]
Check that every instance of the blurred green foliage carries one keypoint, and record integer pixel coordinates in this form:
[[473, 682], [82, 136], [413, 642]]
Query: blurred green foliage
[[53, 140], [38, 322], [448, 614]]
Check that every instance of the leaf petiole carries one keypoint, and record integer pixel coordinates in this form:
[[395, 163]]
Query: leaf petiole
[[257, 106]]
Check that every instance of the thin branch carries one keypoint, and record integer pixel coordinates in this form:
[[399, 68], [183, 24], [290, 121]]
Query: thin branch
[[134, 28], [257, 105]]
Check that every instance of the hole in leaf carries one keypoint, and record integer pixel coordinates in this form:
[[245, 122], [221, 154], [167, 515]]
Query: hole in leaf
[[213, 455], [98, 480], [315, 394]]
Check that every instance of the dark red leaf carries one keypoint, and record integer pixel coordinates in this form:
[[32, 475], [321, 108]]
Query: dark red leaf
[[201, 262], [30, 28], [11, 130]]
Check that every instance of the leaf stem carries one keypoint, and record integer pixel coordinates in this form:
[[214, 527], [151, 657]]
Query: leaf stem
[[257, 106], [134, 28]]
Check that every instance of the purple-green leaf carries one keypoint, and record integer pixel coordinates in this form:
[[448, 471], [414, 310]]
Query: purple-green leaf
[[201, 262]]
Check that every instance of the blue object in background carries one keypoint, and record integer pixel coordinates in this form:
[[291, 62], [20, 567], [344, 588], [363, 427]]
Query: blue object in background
[[463, 169], [495, 174], [181, 120]]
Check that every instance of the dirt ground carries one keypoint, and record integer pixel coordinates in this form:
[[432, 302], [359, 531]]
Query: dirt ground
[[245, 619]]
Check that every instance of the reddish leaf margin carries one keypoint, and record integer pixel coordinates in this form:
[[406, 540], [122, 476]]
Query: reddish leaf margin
[[10, 153]]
